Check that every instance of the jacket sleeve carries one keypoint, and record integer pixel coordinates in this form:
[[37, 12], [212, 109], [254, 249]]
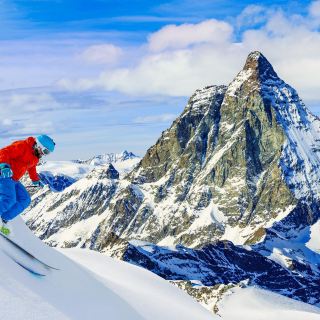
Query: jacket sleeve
[[13, 151], [33, 174]]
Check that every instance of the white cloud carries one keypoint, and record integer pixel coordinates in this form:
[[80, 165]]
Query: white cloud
[[30, 102], [34, 128], [102, 54], [251, 15], [166, 117], [26, 103], [78, 85], [7, 122], [27, 113], [182, 36], [314, 9], [182, 58]]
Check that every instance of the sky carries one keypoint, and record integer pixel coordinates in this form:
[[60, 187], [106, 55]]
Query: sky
[[105, 76]]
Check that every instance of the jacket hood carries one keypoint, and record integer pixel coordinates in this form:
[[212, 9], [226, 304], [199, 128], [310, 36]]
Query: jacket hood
[[31, 141]]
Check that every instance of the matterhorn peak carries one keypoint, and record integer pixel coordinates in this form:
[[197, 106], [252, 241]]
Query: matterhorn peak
[[257, 71], [258, 64]]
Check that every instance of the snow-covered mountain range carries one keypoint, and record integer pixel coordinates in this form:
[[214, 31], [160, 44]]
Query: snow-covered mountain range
[[229, 195], [61, 174]]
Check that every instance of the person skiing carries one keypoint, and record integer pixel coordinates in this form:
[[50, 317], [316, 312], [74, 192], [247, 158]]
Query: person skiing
[[15, 160]]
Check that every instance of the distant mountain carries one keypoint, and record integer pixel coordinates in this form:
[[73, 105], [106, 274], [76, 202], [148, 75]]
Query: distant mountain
[[108, 158], [238, 172], [61, 174]]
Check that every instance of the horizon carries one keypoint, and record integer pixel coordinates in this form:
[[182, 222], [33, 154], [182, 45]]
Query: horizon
[[108, 77]]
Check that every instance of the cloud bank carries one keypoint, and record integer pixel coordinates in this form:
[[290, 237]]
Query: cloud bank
[[178, 59]]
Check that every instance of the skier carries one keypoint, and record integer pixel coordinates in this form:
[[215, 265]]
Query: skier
[[15, 160]]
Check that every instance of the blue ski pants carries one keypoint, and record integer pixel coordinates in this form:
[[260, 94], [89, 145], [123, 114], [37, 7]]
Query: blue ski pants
[[14, 198]]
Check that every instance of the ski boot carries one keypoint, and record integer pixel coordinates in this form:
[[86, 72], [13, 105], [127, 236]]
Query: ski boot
[[4, 228]]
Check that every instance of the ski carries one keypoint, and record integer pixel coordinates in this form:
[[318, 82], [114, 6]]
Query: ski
[[36, 273], [30, 255]]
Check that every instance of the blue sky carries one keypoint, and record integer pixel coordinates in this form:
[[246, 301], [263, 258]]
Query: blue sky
[[34, 18], [104, 76]]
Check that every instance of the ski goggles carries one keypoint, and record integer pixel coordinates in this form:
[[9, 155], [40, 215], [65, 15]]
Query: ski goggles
[[45, 151], [42, 150]]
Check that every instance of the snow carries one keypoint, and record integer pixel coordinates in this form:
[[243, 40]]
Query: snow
[[236, 235], [89, 285], [168, 242], [79, 230], [235, 85], [226, 126], [79, 169], [314, 242], [147, 246], [148, 294], [209, 215], [258, 304], [283, 251], [300, 157], [239, 235], [68, 168], [200, 99], [277, 256]]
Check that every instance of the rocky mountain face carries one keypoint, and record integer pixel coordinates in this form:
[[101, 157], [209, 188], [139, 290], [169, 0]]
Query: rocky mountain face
[[230, 192], [216, 173]]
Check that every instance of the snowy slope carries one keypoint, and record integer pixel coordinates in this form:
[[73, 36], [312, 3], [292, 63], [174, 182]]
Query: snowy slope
[[90, 285], [96, 287], [314, 241], [257, 304]]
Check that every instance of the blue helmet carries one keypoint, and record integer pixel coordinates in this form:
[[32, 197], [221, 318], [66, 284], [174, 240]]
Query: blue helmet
[[45, 143]]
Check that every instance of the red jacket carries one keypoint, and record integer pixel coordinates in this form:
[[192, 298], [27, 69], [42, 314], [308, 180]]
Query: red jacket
[[21, 158]]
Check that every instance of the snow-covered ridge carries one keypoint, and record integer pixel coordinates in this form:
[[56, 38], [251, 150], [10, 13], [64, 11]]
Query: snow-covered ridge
[[254, 303], [108, 158], [202, 99], [236, 84], [300, 159], [123, 162]]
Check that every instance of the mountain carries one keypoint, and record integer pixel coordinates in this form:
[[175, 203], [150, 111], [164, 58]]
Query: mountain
[[109, 158], [233, 181]]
